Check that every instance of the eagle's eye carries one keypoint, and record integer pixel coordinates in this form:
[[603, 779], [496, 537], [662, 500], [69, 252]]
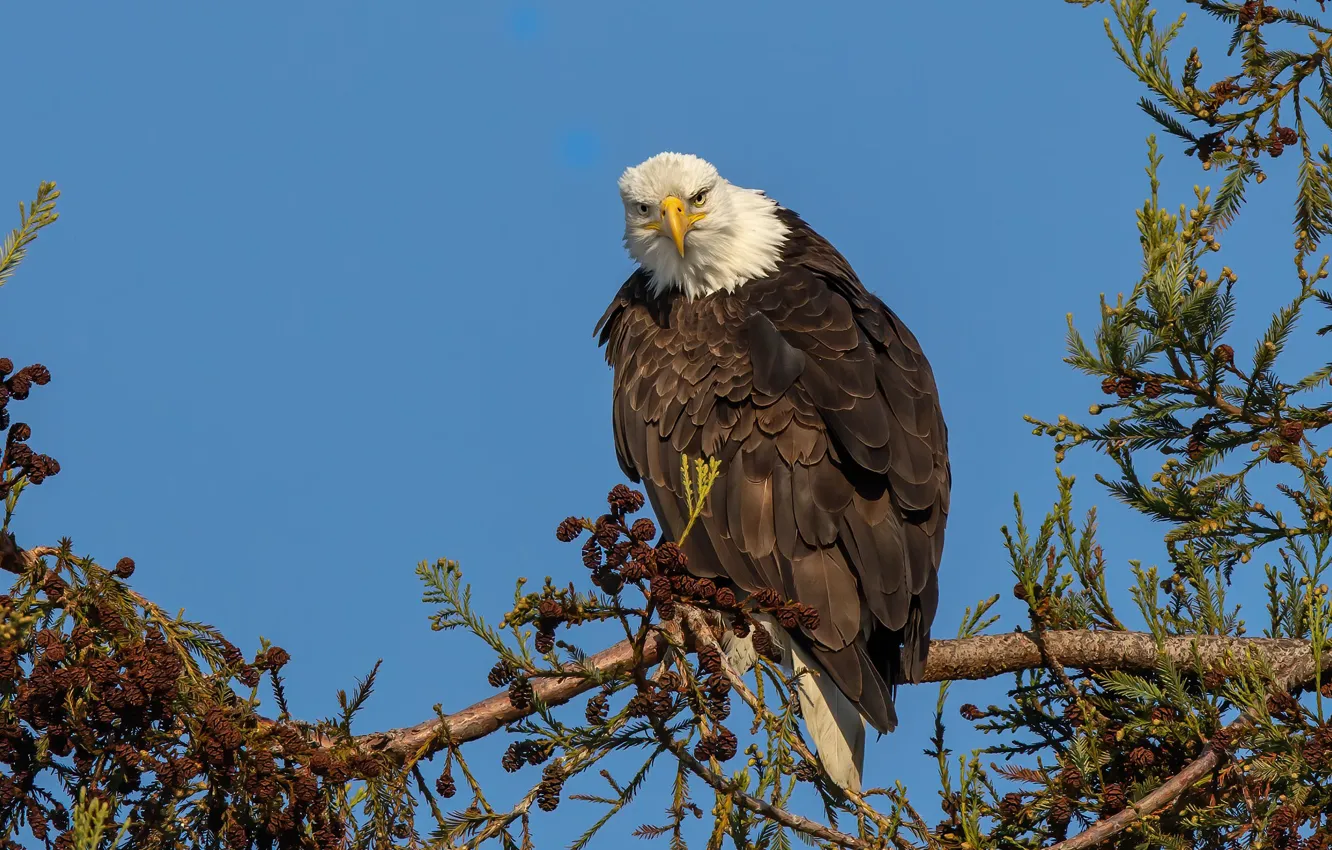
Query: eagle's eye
[[700, 199], [642, 209]]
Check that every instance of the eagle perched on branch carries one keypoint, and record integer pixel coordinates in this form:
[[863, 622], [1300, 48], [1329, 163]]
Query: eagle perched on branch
[[745, 336]]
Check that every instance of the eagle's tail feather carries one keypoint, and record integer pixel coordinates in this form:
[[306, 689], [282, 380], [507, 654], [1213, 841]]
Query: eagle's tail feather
[[833, 721]]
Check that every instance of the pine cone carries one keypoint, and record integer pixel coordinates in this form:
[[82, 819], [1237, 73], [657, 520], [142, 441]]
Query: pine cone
[[806, 771], [725, 745], [709, 659], [552, 782], [1142, 757], [1152, 388], [662, 705], [606, 531], [545, 642], [1113, 798], [670, 558], [643, 529], [717, 683], [635, 570], [1073, 714], [725, 598], [520, 693], [624, 500], [551, 608], [524, 752], [703, 749], [640, 705], [1291, 432], [1061, 812], [767, 598], [569, 529], [513, 759], [38, 374], [1126, 387], [501, 674], [20, 385], [1285, 817], [764, 645], [276, 658], [1224, 354], [124, 567], [54, 586], [1110, 386], [704, 588], [661, 589], [597, 708], [1315, 752], [445, 784], [592, 553], [1072, 778], [718, 706], [809, 616]]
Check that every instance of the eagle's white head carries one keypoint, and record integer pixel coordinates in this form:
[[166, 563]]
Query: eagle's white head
[[692, 230]]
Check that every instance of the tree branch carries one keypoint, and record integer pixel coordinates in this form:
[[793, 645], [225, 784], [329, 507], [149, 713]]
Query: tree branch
[[482, 718], [1167, 792], [19, 561], [949, 660]]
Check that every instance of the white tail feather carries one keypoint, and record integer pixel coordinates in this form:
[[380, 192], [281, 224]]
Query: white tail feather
[[833, 721]]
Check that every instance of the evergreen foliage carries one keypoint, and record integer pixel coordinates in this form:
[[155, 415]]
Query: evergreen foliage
[[124, 726]]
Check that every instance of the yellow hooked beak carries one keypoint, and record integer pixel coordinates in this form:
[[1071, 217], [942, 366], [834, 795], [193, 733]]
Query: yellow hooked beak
[[677, 221]]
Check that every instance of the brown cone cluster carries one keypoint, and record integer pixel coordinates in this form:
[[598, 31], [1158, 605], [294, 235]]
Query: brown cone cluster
[[524, 752], [103, 702], [18, 458]]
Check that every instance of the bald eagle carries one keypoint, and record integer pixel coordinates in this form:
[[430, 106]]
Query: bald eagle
[[745, 336]]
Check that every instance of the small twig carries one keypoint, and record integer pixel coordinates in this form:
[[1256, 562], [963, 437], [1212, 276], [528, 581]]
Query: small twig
[[696, 622], [1165, 794], [750, 802], [502, 822]]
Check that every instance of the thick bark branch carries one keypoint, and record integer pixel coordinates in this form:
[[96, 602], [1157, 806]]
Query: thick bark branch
[[950, 660]]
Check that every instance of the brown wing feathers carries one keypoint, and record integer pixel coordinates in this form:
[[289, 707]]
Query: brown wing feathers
[[834, 484]]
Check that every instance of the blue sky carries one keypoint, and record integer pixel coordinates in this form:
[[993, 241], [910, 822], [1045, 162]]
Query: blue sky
[[320, 301]]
